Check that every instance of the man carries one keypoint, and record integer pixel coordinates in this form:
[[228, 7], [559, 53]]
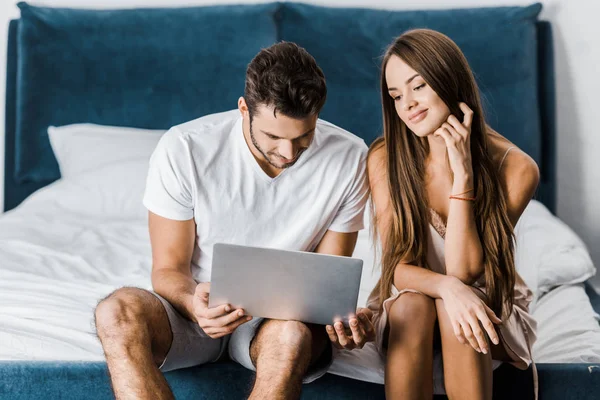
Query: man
[[268, 174]]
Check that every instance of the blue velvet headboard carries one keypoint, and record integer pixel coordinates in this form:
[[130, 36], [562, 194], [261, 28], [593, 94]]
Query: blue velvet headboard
[[154, 68]]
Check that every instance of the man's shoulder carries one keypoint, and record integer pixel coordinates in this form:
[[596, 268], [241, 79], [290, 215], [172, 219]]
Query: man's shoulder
[[212, 125], [336, 137], [201, 137]]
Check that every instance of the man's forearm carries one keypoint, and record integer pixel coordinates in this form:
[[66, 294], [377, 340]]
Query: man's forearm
[[177, 287]]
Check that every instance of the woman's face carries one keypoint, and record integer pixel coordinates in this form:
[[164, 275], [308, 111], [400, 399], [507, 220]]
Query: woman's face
[[417, 105]]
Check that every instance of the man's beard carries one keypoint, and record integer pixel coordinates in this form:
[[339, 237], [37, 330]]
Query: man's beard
[[267, 157]]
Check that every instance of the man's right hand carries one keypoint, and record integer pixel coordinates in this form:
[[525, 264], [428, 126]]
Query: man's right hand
[[218, 321]]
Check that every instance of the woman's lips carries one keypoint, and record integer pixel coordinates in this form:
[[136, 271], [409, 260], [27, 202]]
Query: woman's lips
[[418, 117]]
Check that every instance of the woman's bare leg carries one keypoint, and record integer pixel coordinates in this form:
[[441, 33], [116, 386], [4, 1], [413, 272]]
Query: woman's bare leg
[[467, 373], [409, 366]]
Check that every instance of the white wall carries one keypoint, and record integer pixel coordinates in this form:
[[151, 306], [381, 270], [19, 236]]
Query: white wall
[[577, 60]]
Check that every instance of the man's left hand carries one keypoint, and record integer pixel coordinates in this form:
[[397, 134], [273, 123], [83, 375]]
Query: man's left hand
[[361, 331]]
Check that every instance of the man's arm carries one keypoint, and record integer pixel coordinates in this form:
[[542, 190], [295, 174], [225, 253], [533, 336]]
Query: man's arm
[[172, 247], [337, 243]]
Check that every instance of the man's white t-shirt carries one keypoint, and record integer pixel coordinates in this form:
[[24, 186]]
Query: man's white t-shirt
[[203, 169]]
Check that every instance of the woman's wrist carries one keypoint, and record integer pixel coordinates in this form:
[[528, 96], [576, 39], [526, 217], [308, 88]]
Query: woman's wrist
[[462, 182], [447, 284]]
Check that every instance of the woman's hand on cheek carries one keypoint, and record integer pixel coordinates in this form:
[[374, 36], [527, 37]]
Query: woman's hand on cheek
[[457, 136]]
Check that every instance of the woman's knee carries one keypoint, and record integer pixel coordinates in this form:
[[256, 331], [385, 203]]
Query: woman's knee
[[412, 310]]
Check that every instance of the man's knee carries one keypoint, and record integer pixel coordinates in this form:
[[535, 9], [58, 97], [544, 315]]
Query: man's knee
[[282, 340], [120, 313], [295, 335]]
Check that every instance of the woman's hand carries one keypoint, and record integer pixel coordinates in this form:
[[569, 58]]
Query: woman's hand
[[361, 331], [468, 313], [457, 136]]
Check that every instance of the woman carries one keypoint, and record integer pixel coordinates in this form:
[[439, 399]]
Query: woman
[[447, 192]]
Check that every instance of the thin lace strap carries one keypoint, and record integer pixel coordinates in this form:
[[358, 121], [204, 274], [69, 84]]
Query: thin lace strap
[[504, 158], [438, 223]]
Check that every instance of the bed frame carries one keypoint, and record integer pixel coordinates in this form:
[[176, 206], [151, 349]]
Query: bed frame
[[27, 379]]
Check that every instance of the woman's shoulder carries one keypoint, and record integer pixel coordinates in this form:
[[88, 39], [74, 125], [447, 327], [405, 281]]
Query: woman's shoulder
[[510, 160], [377, 169], [377, 156], [378, 146], [518, 172]]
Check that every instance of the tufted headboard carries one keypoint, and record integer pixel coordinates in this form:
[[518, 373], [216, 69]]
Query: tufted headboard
[[154, 68]]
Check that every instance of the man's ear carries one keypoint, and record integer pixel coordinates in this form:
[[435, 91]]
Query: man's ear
[[243, 107]]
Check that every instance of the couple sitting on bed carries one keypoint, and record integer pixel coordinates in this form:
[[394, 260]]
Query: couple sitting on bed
[[446, 192]]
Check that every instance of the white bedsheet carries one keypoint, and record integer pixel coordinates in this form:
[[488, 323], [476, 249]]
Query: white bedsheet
[[58, 257], [55, 265], [567, 327]]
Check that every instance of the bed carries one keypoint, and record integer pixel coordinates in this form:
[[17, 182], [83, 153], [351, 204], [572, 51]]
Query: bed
[[75, 228]]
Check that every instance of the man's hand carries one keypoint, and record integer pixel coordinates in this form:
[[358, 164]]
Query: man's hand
[[217, 321], [361, 331]]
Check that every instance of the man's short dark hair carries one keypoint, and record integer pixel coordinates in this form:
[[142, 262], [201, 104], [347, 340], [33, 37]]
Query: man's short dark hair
[[286, 77]]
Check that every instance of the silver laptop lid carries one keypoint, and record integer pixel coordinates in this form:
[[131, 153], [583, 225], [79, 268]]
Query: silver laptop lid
[[283, 284]]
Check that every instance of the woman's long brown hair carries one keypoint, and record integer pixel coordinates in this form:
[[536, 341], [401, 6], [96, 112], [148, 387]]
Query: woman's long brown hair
[[445, 69]]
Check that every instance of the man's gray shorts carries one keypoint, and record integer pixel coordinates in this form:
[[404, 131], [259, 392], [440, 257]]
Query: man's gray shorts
[[191, 346]]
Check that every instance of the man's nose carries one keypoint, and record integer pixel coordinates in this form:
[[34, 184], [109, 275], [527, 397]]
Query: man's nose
[[288, 150]]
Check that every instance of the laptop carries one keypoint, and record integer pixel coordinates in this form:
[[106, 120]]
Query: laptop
[[284, 284]]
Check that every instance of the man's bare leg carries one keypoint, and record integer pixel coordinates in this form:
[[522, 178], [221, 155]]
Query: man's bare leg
[[135, 333], [282, 351]]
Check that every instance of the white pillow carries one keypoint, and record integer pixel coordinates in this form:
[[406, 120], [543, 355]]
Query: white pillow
[[548, 253], [84, 147], [109, 192]]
